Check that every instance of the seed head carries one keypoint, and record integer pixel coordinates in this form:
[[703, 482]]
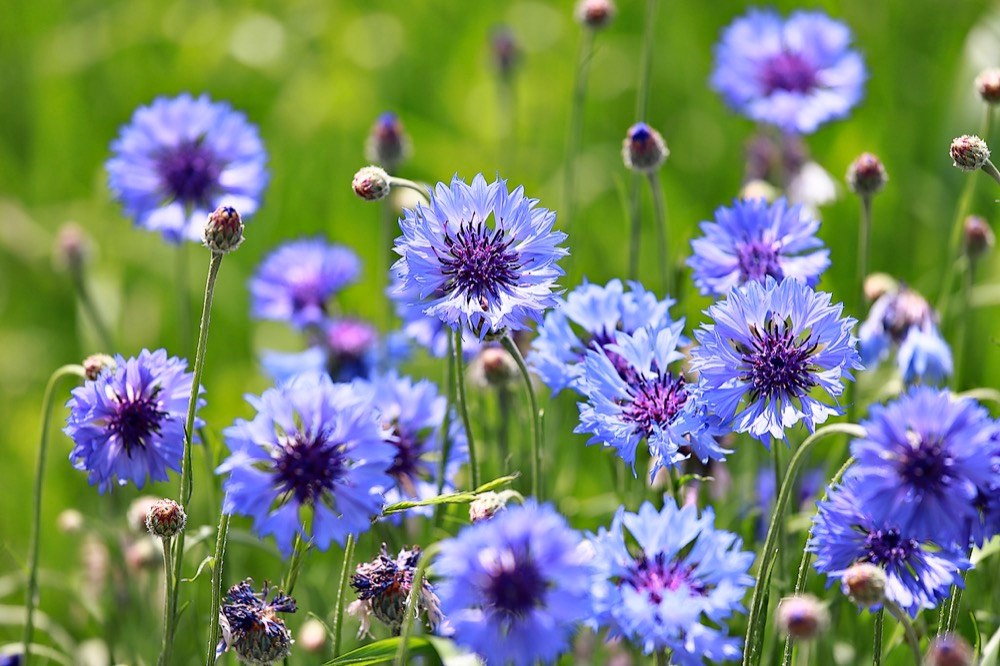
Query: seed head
[[803, 617], [644, 149], [978, 237], [165, 518], [866, 175], [988, 85], [864, 583], [969, 152], [95, 364], [595, 14], [223, 230], [949, 650], [371, 183]]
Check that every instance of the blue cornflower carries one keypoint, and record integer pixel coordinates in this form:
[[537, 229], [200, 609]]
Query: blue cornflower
[[795, 74], [180, 158], [920, 572], [923, 462], [312, 444], [902, 318], [472, 274], [769, 347], [632, 395], [250, 624], [429, 332], [344, 348], [591, 317], [753, 240], [128, 423], [677, 588], [412, 416], [514, 587], [295, 281]]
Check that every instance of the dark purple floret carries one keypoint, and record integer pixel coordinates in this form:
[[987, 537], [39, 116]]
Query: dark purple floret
[[190, 173], [788, 71], [778, 364], [656, 576], [516, 585], [479, 262], [307, 468], [603, 340], [887, 547], [925, 465], [656, 401], [407, 466], [757, 260], [136, 420]]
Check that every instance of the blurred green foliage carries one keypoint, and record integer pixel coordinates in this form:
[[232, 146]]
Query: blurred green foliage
[[313, 75]]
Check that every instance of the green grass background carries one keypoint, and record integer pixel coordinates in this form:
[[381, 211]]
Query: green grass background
[[313, 75]]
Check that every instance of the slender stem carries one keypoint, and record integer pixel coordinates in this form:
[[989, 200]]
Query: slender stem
[[990, 394], [635, 224], [446, 441], [506, 413], [911, 635], [186, 472], [536, 426], [776, 456], [412, 601], [877, 637], [218, 560], [83, 295], [952, 606], [963, 325], [463, 405], [576, 125], [757, 616], [662, 247], [646, 66], [31, 593], [338, 612], [419, 188], [991, 171], [864, 243], [168, 603], [663, 657], [183, 298], [299, 551], [384, 251], [800, 579]]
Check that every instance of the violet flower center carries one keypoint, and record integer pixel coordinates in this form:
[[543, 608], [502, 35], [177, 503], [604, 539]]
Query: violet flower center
[[190, 172], [777, 364], [307, 468], [656, 401], [788, 71], [136, 420], [757, 260], [480, 262], [657, 576], [924, 464], [515, 584], [886, 547]]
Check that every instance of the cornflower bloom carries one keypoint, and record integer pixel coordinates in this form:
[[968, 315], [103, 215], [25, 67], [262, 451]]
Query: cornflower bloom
[[677, 587], [296, 280], [919, 572], [251, 626], [769, 347], [631, 395], [795, 74], [127, 424], [591, 317], [180, 158], [515, 586], [312, 445], [753, 240], [473, 275]]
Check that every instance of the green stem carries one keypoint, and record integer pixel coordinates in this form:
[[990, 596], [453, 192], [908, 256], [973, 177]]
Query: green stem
[[952, 606], [183, 299], [345, 574], [536, 426], [576, 126], [963, 325], [446, 442], [420, 188], [646, 66], [299, 551], [31, 593], [757, 616], [911, 635], [384, 251], [663, 249], [186, 472], [991, 171], [412, 601], [168, 602], [776, 456], [83, 295], [864, 243], [981, 394], [463, 405], [506, 413], [803, 574], [218, 559], [635, 223], [663, 657], [877, 637]]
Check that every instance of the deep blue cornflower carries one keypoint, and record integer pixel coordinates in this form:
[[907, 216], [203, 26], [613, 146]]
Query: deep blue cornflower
[[591, 317], [473, 272], [903, 319], [128, 423], [343, 348], [312, 445], [429, 332], [920, 572], [924, 461], [753, 240], [180, 158], [250, 624], [383, 585], [676, 588], [631, 395], [795, 74], [769, 347], [412, 418], [514, 587], [295, 281]]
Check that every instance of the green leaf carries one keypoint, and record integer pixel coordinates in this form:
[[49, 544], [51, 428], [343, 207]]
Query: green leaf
[[384, 651], [464, 497], [209, 561], [991, 653]]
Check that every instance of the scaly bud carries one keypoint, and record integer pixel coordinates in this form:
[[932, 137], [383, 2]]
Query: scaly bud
[[866, 175], [165, 518], [223, 230], [969, 152], [644, 150], [864, 583], [949, 650], [371, 183]]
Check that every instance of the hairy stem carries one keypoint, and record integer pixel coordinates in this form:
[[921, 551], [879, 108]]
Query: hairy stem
[[662, 246], [463, 405], [338, 611], [218, 559]]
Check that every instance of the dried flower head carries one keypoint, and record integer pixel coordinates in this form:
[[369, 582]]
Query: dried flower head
[[384, 584], [250, 624]]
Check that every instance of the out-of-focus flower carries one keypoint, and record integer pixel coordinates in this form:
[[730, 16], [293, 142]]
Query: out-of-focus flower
[[505, 50], [803, 617], [977, 237], [644, 149], [387, 144], [865, 584], [595, 14], [866, 175], [988, 85], [949, 650]]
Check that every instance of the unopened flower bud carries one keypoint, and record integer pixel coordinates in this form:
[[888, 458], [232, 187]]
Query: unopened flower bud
[[312, 636], [644, 150], [141, 554], [387, 144], [70, 521], [864, 583], [72, 247], [166, 518], [969, 153], [978, 237], [595, 14], [371, 183], [506, 52], [95, 364], [137, 511], [879, 284], [486, 505], [866, 175], [223, 230], [988, 85], [759, 189], [949, 650], [803, 617], [492, 367]]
